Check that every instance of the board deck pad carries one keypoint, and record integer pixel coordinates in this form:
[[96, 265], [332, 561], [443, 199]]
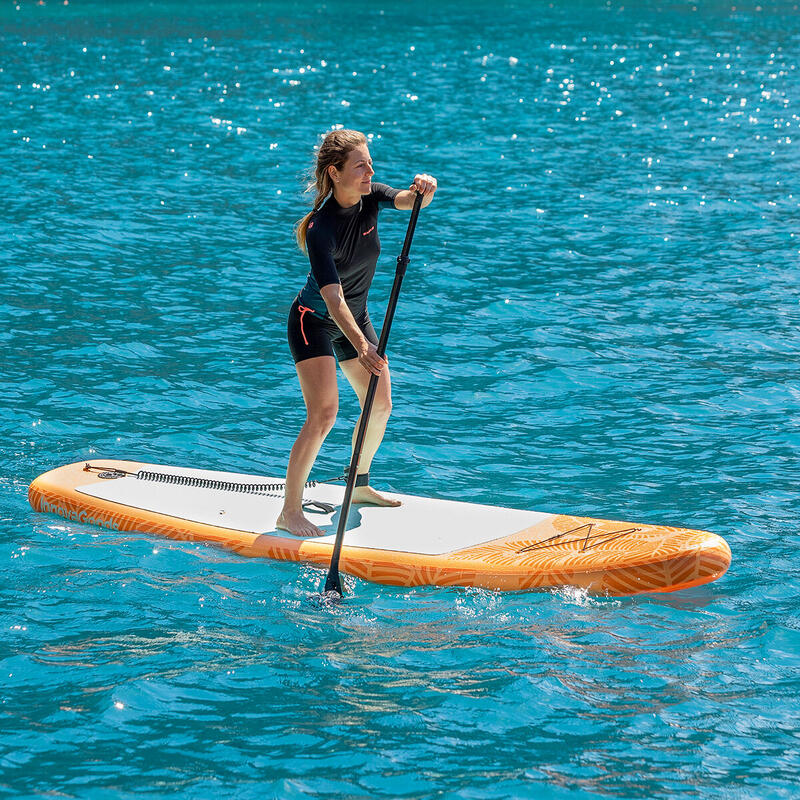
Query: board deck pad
[[423, 541], [403, 529]]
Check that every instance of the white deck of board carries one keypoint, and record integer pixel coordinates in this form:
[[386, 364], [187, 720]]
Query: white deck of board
[[421, 525]]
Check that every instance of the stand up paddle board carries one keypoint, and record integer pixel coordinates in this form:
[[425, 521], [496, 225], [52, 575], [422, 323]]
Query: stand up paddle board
[[422, 542]]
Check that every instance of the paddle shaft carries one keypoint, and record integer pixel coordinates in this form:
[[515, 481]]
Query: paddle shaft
[[332, 582]]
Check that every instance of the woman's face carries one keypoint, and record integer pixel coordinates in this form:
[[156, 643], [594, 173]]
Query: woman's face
[[355, 177]]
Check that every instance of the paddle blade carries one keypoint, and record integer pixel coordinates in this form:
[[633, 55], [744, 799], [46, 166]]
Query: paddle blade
[[333, 584]]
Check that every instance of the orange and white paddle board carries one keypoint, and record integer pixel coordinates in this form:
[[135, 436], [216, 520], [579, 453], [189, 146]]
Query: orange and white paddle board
[[423, 542]]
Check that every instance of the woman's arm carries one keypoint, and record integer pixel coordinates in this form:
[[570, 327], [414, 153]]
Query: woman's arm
[[423, 184], [337, 307]]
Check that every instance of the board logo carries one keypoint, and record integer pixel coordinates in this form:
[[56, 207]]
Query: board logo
[[76, 516]]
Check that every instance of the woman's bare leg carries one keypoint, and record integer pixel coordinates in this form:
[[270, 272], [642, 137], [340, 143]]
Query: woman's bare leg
[[321, 394], [381, 410]]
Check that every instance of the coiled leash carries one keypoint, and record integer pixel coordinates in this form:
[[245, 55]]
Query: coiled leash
[[270, 489]]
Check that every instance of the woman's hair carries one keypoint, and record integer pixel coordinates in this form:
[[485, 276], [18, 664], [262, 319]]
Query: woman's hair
[[335, 148]]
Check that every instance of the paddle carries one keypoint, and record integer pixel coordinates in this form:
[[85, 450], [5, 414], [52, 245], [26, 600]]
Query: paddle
[[332, 583]]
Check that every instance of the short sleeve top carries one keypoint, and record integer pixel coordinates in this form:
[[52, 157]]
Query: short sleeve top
[[343, 247]]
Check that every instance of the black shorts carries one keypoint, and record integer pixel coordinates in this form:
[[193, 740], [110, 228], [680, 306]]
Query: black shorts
[[312, 335]]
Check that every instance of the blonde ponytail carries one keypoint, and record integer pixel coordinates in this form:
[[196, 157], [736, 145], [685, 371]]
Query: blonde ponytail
[[333, 151]]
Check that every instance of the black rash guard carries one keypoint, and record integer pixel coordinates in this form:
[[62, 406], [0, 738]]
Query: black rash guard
[[343, 247]]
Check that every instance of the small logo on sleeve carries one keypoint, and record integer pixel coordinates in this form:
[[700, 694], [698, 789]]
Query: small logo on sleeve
[[369, 231]]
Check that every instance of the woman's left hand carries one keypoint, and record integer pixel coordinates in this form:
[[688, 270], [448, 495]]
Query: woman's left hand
[[424, 184]]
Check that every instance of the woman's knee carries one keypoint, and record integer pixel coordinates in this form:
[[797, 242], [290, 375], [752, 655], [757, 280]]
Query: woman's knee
[[382, 406], [321, 420]]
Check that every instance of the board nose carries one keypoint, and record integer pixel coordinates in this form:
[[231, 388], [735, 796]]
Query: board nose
[[716, 555]]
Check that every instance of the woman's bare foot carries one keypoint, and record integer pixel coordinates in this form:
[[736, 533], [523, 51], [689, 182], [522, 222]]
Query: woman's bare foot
[[368, 496], [296, 523]]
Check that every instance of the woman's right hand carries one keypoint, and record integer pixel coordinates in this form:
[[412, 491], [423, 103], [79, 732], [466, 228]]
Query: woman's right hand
[[369, 359]]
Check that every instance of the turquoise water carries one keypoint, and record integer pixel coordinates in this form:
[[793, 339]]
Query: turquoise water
[[600, 317]]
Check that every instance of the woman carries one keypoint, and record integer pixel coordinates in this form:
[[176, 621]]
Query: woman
[[329, 320]]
